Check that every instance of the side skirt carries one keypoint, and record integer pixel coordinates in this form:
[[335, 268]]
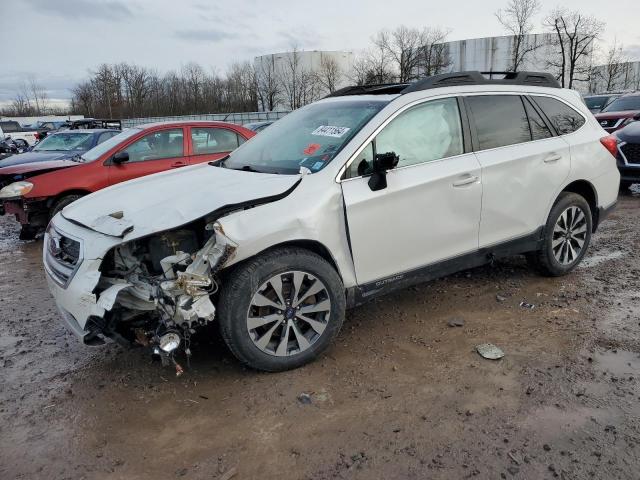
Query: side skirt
[[361, 294]]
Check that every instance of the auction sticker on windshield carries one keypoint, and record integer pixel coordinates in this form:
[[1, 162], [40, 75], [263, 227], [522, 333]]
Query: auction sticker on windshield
[[330, 131]]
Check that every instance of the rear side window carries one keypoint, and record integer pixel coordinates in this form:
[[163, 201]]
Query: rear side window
[[213, 140], [563, 118], [539, 129], [500, 120]]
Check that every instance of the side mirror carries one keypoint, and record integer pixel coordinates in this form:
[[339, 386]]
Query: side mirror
[[382, 162], [120, 157]]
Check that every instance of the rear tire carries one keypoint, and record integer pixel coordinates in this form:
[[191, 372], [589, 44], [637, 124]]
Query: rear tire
[[281, 309], [567, 234], [63, 202]]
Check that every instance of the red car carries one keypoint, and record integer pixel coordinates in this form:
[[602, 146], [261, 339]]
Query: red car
[[34, 193], [620, 113]]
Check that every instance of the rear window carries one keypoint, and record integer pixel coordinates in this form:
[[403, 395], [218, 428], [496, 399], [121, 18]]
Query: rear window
[[563, 118], [500, 120]]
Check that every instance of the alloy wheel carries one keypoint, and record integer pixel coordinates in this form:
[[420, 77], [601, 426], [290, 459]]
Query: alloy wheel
[[288, 313], [569, 235]]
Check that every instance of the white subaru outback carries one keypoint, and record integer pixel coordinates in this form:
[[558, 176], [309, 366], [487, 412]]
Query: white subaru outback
[[371, 189]]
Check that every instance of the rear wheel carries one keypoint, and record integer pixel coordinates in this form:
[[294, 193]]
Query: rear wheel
[[59, 205], [567, 236], [281, 309]]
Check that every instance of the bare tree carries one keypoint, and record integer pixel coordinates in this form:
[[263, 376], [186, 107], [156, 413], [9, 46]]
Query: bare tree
[[268, 85], [573, 37], [404, 47], [516, 19], [360, 71], [329, 74], [615, 64], [20, 106], [434, 57]]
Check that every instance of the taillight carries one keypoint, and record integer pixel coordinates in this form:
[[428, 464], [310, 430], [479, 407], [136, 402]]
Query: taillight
[[610, 142], [36, 136]]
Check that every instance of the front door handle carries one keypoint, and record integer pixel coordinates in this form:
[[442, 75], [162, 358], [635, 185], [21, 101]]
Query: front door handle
[[552, 157], [178, 164], [467, 180]]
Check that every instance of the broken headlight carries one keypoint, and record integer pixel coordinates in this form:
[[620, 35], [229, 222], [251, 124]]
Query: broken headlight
[[16, 189]]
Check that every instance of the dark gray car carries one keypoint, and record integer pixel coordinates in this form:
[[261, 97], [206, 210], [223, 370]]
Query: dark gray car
[[64, 145]]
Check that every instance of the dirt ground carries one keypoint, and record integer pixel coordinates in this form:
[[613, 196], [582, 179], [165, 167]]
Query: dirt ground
[[400, 395]]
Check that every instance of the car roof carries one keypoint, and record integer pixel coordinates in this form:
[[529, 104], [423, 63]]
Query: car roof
[[182, 123], [87, 130]]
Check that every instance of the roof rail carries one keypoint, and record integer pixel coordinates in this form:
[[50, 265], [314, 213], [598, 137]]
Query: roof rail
[[538, 79], [376, 89]]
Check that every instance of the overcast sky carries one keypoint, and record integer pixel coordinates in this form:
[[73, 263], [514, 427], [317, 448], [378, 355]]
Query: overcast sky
[[59, 41]]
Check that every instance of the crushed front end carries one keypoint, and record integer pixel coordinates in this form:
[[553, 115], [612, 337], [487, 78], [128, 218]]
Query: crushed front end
[[156, 291]]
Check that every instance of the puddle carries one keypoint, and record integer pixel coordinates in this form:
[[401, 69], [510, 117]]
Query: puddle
[[597, 259]]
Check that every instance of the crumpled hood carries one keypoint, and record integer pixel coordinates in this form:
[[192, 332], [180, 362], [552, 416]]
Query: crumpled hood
[[170, 199], [31, 157], [37, 167]]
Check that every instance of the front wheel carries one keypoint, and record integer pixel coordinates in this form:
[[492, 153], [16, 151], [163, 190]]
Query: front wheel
[[63, 202], [566, 238], [281, 309]]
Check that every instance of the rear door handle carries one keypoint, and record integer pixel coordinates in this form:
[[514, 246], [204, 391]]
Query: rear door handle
[[552, 157], [467, 180], [178, 164]]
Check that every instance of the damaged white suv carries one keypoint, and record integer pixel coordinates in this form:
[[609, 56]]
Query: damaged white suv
[[371, 189]]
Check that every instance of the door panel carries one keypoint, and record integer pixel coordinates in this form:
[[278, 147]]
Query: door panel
[[419, 219], [523, 165], [156, 152], [519, 183]]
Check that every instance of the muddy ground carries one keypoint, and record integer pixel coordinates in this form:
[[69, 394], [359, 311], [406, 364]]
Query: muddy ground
[[400, 395]]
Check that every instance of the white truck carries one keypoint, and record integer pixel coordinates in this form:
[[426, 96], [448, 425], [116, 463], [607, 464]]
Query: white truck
[[12, 129]]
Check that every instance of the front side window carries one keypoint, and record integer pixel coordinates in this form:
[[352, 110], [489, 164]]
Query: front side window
[[500, 120], [213, 140], [424, 133], [105, 136], [309, 137], [99, 150], [156, 146], [563, 118]]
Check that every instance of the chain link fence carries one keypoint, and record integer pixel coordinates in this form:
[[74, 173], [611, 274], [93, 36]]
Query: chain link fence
[[239, 118]]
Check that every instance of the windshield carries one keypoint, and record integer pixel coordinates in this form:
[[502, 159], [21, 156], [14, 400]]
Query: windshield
[[309, 137], [107, 145], [631, 102], [596, 103], [65, 142]]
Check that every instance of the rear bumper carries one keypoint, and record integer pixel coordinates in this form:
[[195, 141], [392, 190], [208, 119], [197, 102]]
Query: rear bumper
[[629, 173]]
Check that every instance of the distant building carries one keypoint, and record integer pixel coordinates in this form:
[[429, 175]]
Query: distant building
[[494, 54], [288, 80], [617, 78]]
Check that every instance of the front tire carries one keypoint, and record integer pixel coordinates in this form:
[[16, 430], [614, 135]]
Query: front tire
[[567, 235], [61, 203], [281, 309]]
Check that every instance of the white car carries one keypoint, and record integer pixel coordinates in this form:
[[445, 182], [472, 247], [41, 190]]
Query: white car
[[372, 189]]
